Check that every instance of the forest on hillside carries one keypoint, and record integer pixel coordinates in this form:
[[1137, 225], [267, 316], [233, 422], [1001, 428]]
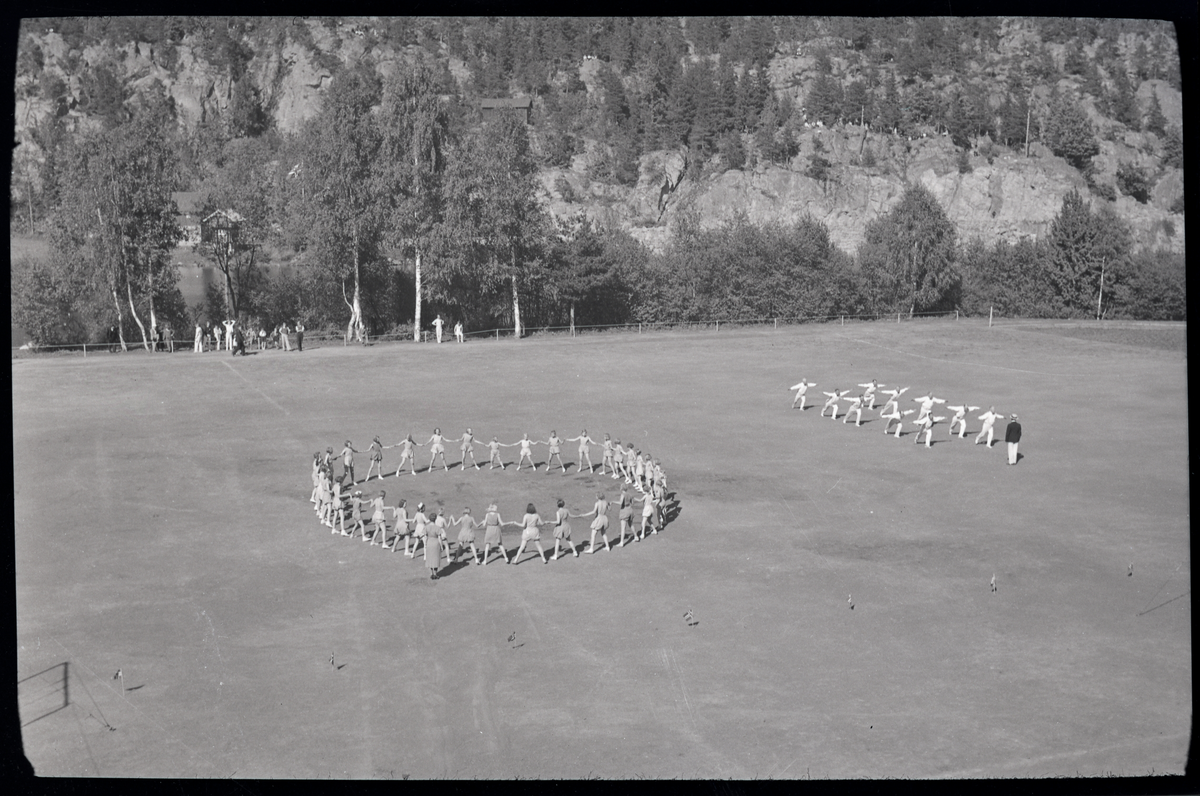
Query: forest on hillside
[[396, 195]]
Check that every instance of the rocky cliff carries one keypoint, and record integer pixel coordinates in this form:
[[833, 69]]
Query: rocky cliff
[[1005, 195]]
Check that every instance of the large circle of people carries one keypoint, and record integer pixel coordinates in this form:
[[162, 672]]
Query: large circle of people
[[349, 512]]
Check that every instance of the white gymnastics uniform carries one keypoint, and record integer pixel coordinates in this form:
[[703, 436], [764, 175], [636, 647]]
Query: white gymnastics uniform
[[989, 419]]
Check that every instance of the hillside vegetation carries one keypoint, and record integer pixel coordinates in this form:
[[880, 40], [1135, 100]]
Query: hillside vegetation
[[808, 138]]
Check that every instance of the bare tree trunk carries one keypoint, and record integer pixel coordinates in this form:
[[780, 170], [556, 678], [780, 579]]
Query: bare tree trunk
[[133, 312], [356, 324], [417, 309], [516, 308], [120, 320], [153, 317]]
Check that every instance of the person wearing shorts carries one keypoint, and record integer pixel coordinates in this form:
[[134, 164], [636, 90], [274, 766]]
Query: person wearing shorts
[[437, 447], [630, 459], [466, 535], [407, 454], [584, 452], [625, 516], [647, 516], [530, 532], [467, 445], [562, 530], [316, 471], [526, 451], [607, 457], [376, 451], [400, 514], [599, 524], [555, 443], [356, 514], [378, 523], [337, 509], [420, 523], [491, 533], [494, 453]]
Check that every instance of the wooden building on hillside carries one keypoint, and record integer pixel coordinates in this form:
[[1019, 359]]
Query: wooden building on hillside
[[490, 106]]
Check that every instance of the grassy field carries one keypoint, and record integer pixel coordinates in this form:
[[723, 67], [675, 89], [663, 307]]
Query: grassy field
[[163, 528]]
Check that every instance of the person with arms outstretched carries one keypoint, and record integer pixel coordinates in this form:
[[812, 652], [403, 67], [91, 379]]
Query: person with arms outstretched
[[584, 451], [960, 418], [989, 419], [832, 403], [599, 524], [801, 391]]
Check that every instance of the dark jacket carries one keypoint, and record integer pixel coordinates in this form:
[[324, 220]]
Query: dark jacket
[[1012, 432]]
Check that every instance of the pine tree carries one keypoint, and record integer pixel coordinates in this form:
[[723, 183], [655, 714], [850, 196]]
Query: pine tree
[[1069, 133], [1081, 245], [887, 115], [1155, 121], [1124, 102], [908, 257], [824, 101]]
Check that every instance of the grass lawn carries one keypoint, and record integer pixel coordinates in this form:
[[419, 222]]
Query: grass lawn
[[163, 528]]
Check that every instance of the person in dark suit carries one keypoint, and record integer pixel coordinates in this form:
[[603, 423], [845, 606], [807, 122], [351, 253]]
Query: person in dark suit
[[1012, 435]]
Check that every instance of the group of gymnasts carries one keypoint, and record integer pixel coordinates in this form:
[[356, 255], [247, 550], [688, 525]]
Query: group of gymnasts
[[893, 415], [620, 460], [345, 510]]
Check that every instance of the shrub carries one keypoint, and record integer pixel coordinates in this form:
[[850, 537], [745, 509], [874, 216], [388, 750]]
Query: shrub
[[818, 168], [868, 157], [1133, 182], [964, 162], [564, 189]]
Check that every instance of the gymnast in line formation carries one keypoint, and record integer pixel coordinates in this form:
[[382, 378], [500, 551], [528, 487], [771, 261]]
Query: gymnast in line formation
[[620, 461], [892, 414], [337, 507]]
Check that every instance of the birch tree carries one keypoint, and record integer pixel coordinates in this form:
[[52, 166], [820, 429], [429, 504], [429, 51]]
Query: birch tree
[[340, 157], [493, 229], [414, 129], [116, 217]]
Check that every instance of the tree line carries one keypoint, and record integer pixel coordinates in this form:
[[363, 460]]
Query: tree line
[[391, 203]]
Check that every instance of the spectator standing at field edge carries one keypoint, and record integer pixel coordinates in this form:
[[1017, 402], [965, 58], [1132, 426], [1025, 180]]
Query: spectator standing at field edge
[[299, 336], [1012, 435], [438, 323]]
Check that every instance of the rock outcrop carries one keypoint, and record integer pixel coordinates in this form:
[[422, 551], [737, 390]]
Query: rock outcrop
[[1004, 196]]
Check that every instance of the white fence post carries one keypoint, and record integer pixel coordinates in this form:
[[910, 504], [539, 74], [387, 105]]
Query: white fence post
[[85, 350], [639, 327], [990, 316], [718, 326]]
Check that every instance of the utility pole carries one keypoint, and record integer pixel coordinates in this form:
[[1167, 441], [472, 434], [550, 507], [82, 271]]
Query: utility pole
[[1028, 116]]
